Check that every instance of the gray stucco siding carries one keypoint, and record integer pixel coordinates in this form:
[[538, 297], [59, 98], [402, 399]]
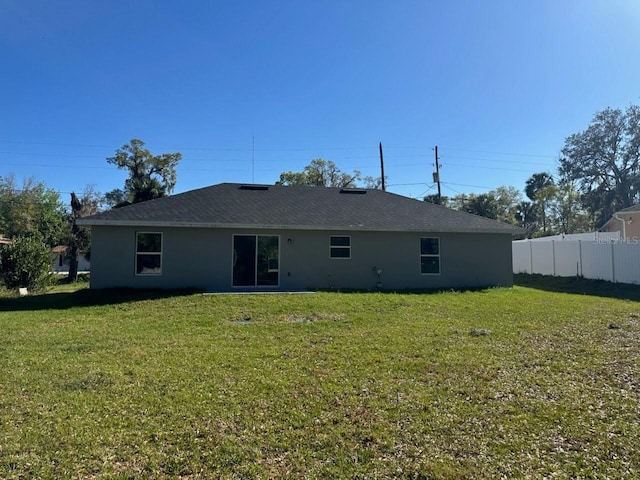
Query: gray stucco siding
[[190, 258], [202, 258], [465, 261]]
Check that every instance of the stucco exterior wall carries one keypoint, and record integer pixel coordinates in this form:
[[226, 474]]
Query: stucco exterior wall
[[631, 229], [202, 258]]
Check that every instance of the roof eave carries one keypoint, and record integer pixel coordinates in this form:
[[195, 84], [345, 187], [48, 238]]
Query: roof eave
[[258, 226], [608, 222]]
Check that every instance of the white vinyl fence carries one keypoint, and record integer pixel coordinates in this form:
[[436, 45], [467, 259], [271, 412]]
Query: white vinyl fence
[[614, 262]]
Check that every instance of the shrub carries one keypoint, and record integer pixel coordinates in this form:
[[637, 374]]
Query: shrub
[[25, 263]]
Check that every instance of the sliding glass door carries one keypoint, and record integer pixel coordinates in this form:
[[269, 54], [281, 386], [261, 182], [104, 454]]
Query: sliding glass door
[[256, 260]]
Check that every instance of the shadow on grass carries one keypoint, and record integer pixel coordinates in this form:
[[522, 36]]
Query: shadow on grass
[[579, 285], [86, 298]]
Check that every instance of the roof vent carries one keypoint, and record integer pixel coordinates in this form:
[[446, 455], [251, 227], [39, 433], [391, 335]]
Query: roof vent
[[353, 191], [254, 187]]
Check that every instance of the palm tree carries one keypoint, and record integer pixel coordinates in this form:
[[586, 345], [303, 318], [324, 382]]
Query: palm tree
[[535, 184]]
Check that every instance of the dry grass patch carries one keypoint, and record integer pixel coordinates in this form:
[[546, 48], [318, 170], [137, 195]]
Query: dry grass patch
[[313, 317]]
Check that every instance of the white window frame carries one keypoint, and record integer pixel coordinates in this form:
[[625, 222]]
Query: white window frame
[[430, 255], [160, 254], [342, 247]]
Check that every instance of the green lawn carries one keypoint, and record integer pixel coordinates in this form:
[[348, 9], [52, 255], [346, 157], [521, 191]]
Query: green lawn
[[514, 383]]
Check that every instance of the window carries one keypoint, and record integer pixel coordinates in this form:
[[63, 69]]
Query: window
[[340, 247], [148, 253], [430, 256]]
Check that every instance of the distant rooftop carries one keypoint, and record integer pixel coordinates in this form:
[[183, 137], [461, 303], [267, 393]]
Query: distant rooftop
[[632, 208]]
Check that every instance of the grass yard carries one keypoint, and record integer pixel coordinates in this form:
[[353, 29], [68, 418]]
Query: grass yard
[[541, 380]]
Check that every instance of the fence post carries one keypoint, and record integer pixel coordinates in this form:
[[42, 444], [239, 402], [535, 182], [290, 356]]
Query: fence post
[[580, 258], [553, 256], [613, 264], [530, 258]]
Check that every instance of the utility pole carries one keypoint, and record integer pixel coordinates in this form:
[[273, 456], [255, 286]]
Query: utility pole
[[382, 167], [436, 176]]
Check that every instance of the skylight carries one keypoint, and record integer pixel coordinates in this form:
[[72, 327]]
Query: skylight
[[353, 191]]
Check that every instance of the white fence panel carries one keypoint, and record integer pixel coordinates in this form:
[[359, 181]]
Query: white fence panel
[[521, 254], [626, 262], [597, 261], [542, 258], [567, 258], [614, 262]]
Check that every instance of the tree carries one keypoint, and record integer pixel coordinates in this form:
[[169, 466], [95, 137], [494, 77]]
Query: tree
[[527, 215], [32, 209], [293, 178], [433, 198], [320, 173], [499, 204], [116, 198], [25, 263], [79, 238], [457, 203], [483, 205], [374, 183], [507, 199], [565, 211], [536, 184], [604, 160], [150, 176]]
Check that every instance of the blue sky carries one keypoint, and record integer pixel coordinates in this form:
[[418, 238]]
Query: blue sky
[[247, 89]]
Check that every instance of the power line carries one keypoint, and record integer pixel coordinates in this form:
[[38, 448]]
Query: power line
[[406, 184], [494, 160], [425, 192], [514, 154], [51, 165], [466, 185], [450, 188], [283, 149], [487, 168], [225, 156], [185, 166]]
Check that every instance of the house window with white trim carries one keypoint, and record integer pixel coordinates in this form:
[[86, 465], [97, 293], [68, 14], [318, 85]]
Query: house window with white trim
[[430, 256], [148, 253], [340, 246]]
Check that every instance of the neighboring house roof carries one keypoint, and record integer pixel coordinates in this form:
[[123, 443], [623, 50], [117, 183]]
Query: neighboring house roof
[[631, 209], [233, 205]]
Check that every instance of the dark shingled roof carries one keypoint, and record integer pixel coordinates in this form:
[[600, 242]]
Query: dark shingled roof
[[296, 207]]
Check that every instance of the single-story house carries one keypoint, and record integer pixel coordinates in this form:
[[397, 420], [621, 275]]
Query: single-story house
[[625, 221], [235, 237]]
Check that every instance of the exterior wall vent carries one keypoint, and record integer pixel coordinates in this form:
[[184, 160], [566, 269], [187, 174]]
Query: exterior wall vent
[[254, 187]]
